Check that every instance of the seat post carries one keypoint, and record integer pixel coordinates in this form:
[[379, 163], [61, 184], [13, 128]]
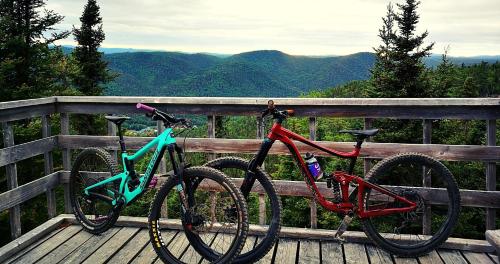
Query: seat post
[[120, 135]]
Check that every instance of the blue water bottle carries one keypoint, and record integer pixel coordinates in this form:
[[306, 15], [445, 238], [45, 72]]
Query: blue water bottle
[[313, 166]]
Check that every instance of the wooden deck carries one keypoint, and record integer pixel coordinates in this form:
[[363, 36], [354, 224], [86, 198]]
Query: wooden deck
[[68, 243]]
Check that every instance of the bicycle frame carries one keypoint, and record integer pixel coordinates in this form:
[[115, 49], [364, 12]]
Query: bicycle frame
[[345, 206], [161, 142]]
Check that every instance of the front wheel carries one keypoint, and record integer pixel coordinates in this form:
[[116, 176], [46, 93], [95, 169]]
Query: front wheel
[[436, 212], [214, 225]]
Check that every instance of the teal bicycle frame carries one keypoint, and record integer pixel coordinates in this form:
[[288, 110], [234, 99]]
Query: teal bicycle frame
[[161, 142]]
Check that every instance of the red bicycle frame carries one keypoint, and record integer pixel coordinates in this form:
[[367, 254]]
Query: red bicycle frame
[[344, 179]]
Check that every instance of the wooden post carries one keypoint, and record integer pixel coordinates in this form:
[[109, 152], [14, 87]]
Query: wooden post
[[163, 164], [164, 209], [367, 163], [312, 202], [14, 212], [49, 167], [211, 133], [66, 156], [426, 178], [491, 130], [262, 209], [112, 132]]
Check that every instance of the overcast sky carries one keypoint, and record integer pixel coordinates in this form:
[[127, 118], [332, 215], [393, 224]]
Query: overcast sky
[[320, 27]]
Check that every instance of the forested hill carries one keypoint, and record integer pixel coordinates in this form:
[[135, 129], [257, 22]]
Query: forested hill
[[265, 73]]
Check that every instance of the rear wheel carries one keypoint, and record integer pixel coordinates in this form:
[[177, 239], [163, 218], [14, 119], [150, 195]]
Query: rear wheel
[[236, 168], [401, 233], [91, 166], [214, 227]]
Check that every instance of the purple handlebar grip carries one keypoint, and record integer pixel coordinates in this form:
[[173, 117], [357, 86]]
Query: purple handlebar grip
[[145, 107]]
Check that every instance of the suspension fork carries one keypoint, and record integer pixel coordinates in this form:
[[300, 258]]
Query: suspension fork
[[178, 173], [256, 162]]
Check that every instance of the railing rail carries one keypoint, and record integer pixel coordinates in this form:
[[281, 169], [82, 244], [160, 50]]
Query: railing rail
[[487, 109]]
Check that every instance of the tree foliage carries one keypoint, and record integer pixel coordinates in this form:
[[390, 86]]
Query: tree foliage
[[92, 69], [92, 73], [28, 66], [399, 63]]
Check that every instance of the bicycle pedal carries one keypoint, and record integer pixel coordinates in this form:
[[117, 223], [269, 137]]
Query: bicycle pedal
[[153, 182]]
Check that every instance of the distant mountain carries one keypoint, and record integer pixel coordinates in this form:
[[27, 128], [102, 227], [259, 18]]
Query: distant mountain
[[435, 59], [267, 73], [263, 73]]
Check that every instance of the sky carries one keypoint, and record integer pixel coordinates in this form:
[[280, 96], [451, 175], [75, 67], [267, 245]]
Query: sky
[[319, 27]]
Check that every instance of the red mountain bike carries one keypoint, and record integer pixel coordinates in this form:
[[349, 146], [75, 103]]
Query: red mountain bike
[[390, 201]]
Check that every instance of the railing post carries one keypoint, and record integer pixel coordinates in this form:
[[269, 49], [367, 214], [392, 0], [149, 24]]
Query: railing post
[[160, 127], [211, 132], [11, 169], [367, 163], [426, 179], [112, 132], [262, 209], [312, 202], [49, 167], [66, 156], [491, 130]]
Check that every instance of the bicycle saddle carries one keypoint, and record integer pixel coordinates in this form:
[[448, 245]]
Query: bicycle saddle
[[117, 120], [361, 133]]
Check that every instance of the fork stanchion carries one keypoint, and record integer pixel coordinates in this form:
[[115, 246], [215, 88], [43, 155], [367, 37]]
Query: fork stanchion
[[162, 169]]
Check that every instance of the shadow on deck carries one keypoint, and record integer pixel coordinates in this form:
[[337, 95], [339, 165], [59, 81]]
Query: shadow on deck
[[59, 240]]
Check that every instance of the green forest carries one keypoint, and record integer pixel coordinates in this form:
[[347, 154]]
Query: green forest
[[32, 66]]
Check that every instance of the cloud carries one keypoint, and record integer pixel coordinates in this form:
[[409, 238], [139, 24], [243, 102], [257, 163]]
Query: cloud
[[297, 27]]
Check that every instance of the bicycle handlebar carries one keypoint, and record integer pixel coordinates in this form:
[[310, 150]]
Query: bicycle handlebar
[[156, 114], [145, 108], [281, 115]]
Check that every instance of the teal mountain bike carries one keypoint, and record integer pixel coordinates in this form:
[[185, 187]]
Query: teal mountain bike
[[202, 202]]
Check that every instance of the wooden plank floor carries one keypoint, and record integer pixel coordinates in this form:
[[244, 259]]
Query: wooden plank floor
[[71, 244]]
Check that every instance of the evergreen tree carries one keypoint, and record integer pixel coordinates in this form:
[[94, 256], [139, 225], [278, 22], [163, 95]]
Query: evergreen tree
[[27, 67], [399, 68], [92, 71]]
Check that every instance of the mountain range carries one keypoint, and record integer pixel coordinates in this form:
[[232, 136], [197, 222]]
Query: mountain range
[[263, 73], [259, 73]]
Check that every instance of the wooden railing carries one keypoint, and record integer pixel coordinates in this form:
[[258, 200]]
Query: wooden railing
[[487, 109]]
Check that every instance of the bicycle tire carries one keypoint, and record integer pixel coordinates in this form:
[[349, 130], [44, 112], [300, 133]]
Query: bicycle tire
[[404, 248], [264, 245], [94, 226], [205, 251]]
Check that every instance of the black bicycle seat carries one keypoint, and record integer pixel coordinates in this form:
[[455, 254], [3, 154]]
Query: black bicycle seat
[[361, 133], [117, 120]]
